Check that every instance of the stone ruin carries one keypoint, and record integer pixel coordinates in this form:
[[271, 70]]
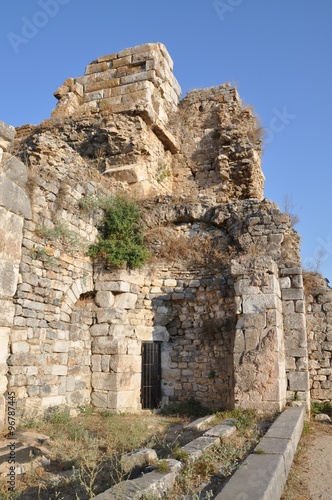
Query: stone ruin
[[221, 314]]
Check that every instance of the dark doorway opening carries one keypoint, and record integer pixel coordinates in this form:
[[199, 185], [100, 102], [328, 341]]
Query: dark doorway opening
[[151, 375]]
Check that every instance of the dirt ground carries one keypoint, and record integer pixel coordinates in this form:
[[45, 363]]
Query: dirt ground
[[311, 474]]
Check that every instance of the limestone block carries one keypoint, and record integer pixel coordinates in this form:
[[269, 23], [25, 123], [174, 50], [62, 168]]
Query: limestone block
[[52, 401], [96, 362], [61, 346], [146, 47], [56, 370], [93, 96], [104, 381], [7, 313], [107, 345], [122, 331], [11, 226], [124, 400], [133, 347], [96, 67], [4, 339], [99, 330], [7, 135], [285, 283], [121, 61], [292, 294], [114, 286], [126, 301], [298, 381], [258, 303], [99, 399], [127, 173], [107, 58], [78, 89], [78, 397], [137, 77], [327, 346], [139, 458], [112, 315], [20, 347], [135, 87], [246, 265], [295, 321], [125, 363], [61, 91], [102, 84], [170, 282], [8, 278], [16, 171], [14, 198], [32, 304]]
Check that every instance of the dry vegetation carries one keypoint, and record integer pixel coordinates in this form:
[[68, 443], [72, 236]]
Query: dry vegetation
[[169, 244], [85, 451]]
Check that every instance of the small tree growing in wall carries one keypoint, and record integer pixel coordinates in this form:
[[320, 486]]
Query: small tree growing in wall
[[120, 239]]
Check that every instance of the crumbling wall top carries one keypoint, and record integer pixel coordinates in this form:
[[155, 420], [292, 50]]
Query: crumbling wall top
[[139, 79]]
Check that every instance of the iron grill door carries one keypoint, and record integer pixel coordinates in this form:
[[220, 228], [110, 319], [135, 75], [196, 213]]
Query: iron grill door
[[151, 375]]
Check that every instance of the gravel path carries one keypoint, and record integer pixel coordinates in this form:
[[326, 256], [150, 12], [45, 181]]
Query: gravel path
[[311, 473]]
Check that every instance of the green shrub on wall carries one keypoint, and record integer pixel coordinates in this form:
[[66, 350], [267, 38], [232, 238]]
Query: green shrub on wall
[[121, 239]]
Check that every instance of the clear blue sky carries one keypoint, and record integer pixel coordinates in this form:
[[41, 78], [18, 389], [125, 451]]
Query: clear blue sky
[[277, 52]]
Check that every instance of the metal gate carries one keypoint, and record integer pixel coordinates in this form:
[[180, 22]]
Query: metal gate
[[151, 375]]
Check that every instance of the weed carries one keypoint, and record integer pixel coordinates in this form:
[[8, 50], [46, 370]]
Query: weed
[[121, 238], [163, 466], [307, 428], [163, 172], [43, 255], [59, 416], [89, 203], [259, 451], [59, 232], [181, 455], [168, 244], [244, 419], [288, 208]]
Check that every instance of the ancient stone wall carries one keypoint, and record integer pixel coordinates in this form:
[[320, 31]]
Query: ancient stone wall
[[50, 349], [259, 353], [14, 207], [138, 80], [223, 292], [220, 152], [319, 331]]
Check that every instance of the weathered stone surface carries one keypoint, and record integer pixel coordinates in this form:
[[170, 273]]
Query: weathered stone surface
[[139, 458], [197, 447], [7, 134], [298, 381], [322, 417], [104, 299], [125, 300], [196, 171], [13, 197], [16, 171], [154, 483]]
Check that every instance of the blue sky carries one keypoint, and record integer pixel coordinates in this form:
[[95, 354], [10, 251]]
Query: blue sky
[[277, 52]]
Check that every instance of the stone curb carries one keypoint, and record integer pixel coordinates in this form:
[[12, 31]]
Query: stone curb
[[154, 483], [210, 438], [157, 483], [263, 475]]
